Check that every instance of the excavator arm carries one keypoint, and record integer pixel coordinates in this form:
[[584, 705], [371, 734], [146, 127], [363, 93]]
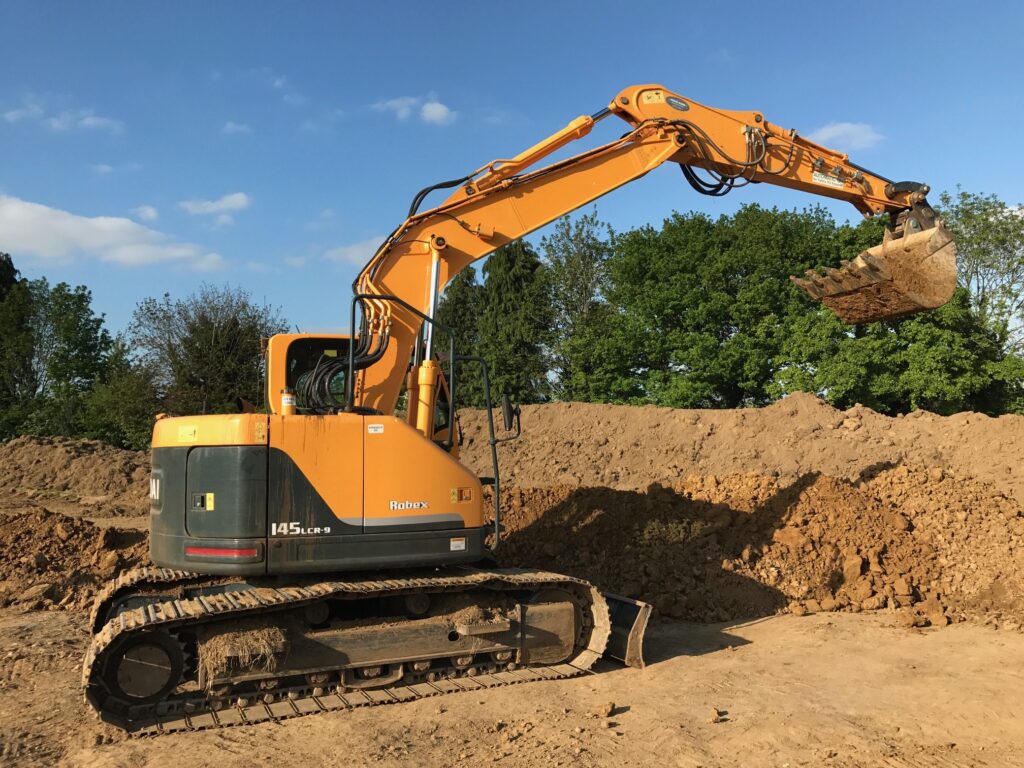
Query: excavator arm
[[718, 150]]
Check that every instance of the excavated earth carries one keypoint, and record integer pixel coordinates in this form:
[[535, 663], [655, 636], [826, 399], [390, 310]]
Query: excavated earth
[[85, 472], [723, 515], [794, 513]]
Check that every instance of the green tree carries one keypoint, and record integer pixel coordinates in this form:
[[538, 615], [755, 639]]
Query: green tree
[[459, 310], [69, 354], [515, 323], [204, 350], [700, 307], [575, 255], [990, 260], [18, 383], [944, 361], [120, 408]]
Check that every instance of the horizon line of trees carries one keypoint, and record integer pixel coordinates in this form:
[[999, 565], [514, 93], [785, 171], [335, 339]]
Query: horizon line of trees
[[698, 313]]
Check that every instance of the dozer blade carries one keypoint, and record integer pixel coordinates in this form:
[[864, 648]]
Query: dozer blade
[[629, 622], [901, 276]]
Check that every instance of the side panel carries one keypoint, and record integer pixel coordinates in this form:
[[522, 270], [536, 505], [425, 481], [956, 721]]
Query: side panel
[[421, 506], [413, 484], [226, 492]]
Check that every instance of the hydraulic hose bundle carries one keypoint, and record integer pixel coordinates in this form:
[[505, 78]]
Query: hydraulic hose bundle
[[325, 388]]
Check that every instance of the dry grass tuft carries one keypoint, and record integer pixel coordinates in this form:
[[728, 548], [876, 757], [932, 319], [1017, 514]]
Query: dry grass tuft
[[243, 647]]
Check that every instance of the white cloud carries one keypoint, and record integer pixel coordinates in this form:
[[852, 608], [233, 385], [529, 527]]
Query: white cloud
[[57, 236], [146, 213], [324, 220], [223, 220], [495, 116], [236, 201], [429, 109], [232, 128], [846, 136], [295, 261], [82, 118], [104, 169], [323, 123], [401, 107], [32, 109], [436, 113], [356, 253], [289, 95]]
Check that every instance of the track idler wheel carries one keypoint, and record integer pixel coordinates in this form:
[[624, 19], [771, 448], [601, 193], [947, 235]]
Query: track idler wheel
[[143, 668]]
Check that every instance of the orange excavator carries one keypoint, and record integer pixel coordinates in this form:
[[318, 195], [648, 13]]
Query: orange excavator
[[333, 552]]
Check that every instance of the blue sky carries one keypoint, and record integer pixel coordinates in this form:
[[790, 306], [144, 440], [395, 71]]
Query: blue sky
[[152, 146]]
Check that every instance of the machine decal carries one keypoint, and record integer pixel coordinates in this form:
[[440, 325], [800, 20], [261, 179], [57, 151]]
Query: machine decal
[[375, 429], [294, 528], [458, 545], [675, 103], [154, 488], [408, 505], [827, 180]]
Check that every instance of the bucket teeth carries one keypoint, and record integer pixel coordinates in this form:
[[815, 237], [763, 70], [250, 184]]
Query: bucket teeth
[[901, 276]]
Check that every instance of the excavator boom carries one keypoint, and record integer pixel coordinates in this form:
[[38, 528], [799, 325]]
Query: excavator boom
[[717, 151]]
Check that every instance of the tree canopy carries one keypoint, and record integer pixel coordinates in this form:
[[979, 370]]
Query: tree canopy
[[204, 350]]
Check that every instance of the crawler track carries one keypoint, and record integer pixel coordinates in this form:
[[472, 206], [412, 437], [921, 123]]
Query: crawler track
[[195, 710]]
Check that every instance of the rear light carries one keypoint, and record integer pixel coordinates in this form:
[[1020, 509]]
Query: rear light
[[221, 552]]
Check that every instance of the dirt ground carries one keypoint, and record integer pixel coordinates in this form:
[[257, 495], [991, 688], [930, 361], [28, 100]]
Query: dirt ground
[[821, 690], [831, 588]]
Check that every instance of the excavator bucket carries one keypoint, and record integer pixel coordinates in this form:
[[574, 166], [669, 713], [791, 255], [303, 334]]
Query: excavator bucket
[[903, 275], [629, 622]]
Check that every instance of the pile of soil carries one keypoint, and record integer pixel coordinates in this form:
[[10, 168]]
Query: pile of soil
[[935, 547], [88, 472], [709, 515], [614, 446], [52, 560]]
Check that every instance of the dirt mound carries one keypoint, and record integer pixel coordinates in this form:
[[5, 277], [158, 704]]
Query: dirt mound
[[617, 446], [48, 559], [84, 471], [741, 546]]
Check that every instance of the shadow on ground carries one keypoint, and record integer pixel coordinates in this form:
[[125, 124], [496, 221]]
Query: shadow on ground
[[658, 545]]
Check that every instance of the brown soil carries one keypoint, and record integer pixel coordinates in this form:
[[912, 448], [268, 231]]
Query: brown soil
[[720, 515], [829, 690], [49, 560], [711, 516], [743, 546], [90, 473], [584, 444]]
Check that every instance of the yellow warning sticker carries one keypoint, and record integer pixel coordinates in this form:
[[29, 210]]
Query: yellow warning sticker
[[188, 434], [209, 502]]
